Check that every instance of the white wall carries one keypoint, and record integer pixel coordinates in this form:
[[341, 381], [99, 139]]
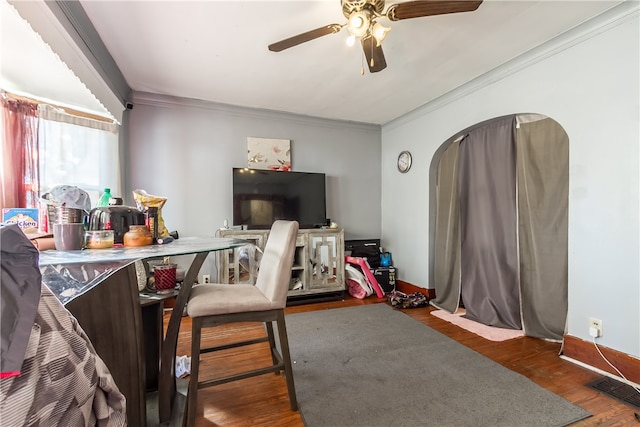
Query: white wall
[[587, 81]]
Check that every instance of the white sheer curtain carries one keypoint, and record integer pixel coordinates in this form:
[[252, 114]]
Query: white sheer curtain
[[78, 151]]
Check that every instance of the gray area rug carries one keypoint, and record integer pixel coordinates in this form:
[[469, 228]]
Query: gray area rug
[[374, 366]]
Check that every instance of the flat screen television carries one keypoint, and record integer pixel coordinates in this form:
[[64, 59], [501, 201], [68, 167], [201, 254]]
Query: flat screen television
[[261, 197]]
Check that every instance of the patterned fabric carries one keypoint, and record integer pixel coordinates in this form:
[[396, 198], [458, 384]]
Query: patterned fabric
[[399, 299], [63, 382]]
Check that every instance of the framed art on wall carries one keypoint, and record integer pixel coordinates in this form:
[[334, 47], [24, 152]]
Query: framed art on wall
[[269, 153]]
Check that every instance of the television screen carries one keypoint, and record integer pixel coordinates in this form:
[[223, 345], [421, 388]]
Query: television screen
[[262, 196]]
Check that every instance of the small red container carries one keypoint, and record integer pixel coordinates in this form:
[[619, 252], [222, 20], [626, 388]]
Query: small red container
[[165, 276]]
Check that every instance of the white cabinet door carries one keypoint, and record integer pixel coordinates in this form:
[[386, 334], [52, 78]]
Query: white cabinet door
[[240, 265], [326, 255]]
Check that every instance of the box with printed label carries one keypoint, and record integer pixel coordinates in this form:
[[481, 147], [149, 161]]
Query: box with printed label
[[386, 278], [25, 218]]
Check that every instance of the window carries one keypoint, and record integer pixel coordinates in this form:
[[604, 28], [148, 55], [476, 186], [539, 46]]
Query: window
[[44, 146], [78, 151]]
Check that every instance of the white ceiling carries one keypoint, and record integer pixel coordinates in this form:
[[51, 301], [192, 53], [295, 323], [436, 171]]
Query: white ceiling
[[217, 51]]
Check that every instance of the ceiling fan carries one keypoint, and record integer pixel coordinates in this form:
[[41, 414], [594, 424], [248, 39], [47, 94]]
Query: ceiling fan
[[362, 22]]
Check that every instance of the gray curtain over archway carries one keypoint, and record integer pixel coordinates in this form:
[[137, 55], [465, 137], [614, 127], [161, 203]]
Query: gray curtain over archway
[[501, 239], [489, 255], [447, 236]]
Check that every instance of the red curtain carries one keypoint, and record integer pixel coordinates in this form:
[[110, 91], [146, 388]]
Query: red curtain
[[20, 177]]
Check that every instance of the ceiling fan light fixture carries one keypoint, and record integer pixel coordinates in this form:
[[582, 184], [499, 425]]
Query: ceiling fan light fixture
[[359, 23], [362, 17], [379, 32], [351, 40]]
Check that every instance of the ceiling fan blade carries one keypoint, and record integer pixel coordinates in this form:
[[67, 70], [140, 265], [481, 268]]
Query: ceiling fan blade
[[373, 52], [420, 8], [304, 37]]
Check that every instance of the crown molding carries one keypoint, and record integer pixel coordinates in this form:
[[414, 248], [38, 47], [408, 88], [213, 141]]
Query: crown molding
[[167, 101]]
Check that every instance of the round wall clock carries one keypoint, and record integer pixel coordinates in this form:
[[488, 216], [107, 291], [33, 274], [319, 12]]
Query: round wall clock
[[404, 161]]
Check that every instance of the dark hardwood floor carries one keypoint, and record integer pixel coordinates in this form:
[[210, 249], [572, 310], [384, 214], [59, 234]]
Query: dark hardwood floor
[[263, 400]]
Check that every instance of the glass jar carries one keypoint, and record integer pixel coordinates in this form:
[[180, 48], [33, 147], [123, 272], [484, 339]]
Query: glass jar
[[138, 235], [99, 239]]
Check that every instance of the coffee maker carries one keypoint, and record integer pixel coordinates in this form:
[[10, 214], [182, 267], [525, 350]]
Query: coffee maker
[[116, 218]]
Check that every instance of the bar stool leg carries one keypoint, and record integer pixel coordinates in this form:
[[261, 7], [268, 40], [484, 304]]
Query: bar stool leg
[[192, 395]]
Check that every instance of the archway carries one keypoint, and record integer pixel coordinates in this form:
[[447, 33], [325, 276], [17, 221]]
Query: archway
[[498, 224]]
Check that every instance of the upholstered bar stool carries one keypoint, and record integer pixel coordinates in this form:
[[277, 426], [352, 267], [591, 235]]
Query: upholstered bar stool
[[212, 305]]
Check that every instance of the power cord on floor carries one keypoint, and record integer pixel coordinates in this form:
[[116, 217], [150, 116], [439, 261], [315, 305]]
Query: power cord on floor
[[595, 344]]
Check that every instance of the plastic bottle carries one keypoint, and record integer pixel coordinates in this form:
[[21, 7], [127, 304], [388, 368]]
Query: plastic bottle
[[104, 199]]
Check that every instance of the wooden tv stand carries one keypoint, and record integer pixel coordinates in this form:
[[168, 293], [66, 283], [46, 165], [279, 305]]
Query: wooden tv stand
[[318, 264]]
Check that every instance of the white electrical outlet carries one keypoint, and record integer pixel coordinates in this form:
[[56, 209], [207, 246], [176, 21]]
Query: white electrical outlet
[[595, 327], [206, 278]]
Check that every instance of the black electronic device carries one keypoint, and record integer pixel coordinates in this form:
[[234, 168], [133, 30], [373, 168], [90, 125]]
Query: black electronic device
[[262, 196], [116, 218], [364, 248]]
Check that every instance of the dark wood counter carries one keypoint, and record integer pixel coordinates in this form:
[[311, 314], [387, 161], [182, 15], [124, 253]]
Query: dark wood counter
[[100, 288]]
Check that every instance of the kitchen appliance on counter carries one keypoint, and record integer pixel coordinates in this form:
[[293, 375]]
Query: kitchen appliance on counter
[[116, 218]]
